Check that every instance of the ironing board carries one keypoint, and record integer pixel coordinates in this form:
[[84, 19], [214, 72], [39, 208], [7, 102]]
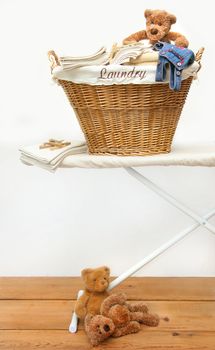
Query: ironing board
[[190, 154]]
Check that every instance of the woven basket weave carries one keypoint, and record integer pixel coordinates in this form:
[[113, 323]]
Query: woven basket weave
[[127, 119]]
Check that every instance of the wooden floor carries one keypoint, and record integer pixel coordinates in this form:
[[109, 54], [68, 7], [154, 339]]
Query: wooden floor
[[35, 314]]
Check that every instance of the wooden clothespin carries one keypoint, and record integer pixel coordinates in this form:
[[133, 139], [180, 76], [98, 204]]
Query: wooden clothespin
[[114, 50], [54, 144]]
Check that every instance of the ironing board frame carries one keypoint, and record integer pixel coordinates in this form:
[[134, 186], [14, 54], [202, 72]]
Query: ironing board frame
[[200, 221]]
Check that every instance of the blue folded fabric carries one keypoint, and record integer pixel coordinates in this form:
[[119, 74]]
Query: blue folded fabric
[[177, 58]]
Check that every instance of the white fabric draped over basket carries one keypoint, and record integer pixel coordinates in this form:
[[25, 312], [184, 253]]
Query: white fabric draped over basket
[[116, 74]]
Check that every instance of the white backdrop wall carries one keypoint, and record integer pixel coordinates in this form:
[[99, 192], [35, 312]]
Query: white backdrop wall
[[56, 224]]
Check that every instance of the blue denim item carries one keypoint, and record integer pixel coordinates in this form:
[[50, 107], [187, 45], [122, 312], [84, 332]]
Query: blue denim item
[[177, 58]]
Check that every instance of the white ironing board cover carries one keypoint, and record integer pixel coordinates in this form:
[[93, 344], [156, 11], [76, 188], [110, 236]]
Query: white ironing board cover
[[186, 154]]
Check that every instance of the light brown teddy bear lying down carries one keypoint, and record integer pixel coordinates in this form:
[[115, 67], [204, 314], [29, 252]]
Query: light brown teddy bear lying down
[[117, 318], [158, 25]]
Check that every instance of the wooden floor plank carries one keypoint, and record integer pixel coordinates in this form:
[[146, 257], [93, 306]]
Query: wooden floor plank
[[35, 314], [144, 340], [56, 315], [137, 288]]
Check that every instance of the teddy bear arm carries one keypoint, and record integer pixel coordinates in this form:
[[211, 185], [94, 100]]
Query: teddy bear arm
[[131, 327], [80, 307], [145, 318], [141, 35], [137, 307], [179, 39], [113, 299]]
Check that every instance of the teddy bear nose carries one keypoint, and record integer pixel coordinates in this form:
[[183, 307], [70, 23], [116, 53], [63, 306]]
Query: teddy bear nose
[[106, 328], [154, 31]]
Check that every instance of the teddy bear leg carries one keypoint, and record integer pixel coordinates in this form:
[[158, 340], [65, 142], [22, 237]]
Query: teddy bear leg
[[80, 311], [131, 327], [137, 316], [137, 307], [151, 320]]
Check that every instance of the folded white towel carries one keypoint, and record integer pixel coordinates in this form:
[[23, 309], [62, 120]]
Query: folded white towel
[[50, 158]]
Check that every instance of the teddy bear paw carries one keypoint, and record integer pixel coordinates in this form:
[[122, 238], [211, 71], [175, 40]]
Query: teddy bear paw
[[134, 327], [182, 42], [150, 320], [129, 42]]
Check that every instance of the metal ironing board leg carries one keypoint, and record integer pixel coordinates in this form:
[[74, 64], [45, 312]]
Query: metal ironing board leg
[[200, 221]]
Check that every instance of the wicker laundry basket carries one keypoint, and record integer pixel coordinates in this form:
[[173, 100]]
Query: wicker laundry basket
[[129, 119]]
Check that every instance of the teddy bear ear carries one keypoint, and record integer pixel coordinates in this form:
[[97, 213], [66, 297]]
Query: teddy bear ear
[[147, 13], [172, 19], [85, 272], [107, 269]]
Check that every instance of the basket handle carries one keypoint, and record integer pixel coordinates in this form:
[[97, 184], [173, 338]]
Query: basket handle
[[54, 61], [199, 54], [198, 57]]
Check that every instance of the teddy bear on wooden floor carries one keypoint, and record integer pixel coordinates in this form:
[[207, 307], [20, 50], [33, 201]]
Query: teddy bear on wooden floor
[[117, 318], [126, 317], [96, 281], [158, 25]]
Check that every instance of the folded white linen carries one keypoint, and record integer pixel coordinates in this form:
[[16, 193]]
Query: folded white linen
[[124, 53], [182, 154], [49, 158], [145, 57], [100, 57]]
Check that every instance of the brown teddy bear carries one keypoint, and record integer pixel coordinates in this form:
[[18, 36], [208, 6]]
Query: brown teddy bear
[[117, 318], [96, 282], [158, 24], [126, 317]]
